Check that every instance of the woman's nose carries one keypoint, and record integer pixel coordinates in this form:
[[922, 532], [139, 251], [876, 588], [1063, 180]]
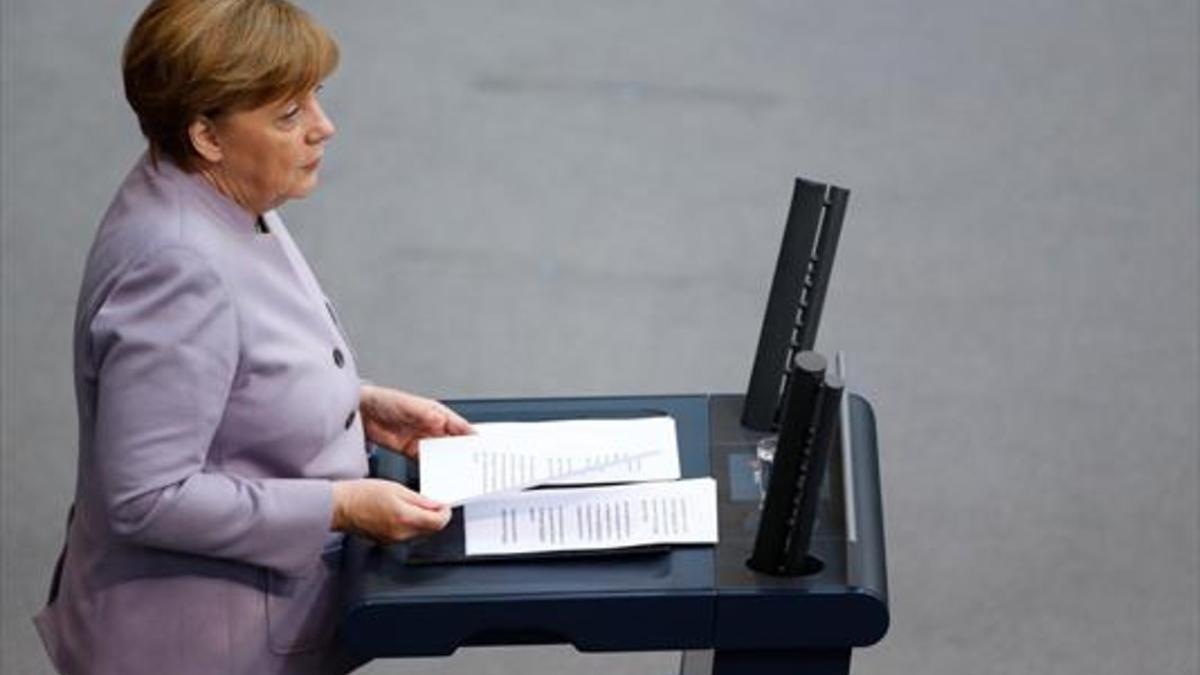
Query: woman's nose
[[322, 128]]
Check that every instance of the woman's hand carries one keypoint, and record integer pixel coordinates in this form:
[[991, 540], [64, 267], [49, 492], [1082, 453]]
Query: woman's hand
[[385, 511], [397, 420]]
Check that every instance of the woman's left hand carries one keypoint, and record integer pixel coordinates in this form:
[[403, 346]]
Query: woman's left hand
[[397, 420]]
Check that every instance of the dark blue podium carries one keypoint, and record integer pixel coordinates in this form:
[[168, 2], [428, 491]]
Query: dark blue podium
[[701, 599]]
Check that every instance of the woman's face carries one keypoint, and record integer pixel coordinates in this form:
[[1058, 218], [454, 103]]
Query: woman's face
[[270, 154]]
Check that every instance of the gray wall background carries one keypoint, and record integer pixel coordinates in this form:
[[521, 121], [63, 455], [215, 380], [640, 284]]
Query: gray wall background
[[545, 198]]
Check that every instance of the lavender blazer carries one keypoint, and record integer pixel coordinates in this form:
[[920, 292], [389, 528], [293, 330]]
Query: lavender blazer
[[217, 399]]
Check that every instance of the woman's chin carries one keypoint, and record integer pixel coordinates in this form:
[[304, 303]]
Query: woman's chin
[[305, 186]]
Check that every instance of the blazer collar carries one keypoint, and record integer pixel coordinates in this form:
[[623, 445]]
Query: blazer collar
[[226, 209]]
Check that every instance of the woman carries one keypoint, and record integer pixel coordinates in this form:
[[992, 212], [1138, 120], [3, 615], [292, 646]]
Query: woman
[[221, 416]]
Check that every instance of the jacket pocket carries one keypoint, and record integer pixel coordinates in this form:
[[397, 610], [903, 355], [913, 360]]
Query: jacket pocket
[[302, 611]]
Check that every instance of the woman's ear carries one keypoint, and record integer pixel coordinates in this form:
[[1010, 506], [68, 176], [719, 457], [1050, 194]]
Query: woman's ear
[[203, 135]]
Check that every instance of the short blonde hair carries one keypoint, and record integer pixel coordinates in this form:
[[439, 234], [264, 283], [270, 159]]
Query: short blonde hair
[[188, 58]]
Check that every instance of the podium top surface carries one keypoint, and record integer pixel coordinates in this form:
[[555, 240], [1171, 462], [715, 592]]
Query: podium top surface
[[689, 597]]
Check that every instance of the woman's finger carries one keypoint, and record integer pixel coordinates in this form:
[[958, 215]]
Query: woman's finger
[[446, 422], [423, 518], [431, 417], [457, 425]]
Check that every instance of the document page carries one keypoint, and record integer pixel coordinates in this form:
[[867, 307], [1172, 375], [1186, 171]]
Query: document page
[[508, 456], [579, 519]]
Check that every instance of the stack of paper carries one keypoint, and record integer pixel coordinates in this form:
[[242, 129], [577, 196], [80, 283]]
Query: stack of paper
[[489, 475]]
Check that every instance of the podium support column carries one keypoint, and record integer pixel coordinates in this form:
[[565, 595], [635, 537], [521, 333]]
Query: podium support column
[[766, 662]]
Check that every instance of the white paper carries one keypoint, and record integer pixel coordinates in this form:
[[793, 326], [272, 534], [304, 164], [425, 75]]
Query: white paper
[[581, 519], [577, 477], [507, 456]]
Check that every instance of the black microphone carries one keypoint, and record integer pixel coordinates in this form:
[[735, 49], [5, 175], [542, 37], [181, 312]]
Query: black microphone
[[808, 429]]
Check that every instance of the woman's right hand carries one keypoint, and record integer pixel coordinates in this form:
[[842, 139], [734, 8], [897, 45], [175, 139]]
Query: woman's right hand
[[385, 511]]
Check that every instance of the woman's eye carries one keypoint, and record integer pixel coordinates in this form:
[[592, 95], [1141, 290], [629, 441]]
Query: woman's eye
[[290, 114]]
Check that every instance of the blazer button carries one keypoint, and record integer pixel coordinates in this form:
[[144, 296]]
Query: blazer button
[[350, 418], [338, 358]]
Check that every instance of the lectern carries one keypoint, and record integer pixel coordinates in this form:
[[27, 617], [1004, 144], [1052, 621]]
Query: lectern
[[705, 601]]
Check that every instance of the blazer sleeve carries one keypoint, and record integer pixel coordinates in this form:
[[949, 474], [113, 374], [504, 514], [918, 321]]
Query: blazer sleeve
[[165, 348]]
